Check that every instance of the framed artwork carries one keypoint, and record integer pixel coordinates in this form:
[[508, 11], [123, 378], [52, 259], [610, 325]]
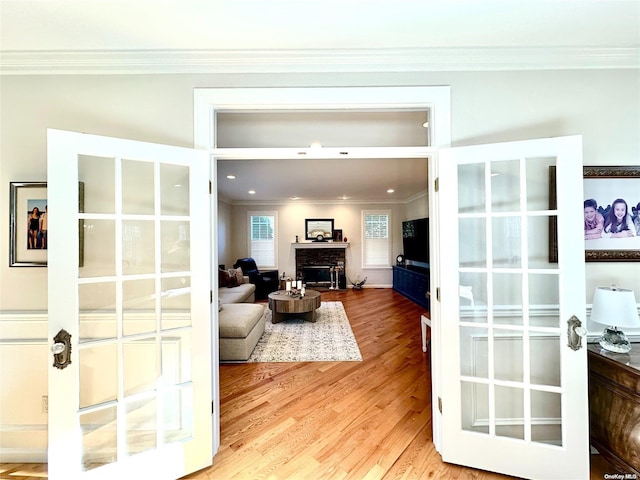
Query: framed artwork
[[611, 214], [318, 229], [337, 235], [28, 224]]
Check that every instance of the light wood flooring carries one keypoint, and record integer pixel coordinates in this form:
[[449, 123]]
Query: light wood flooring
[[333, 420]]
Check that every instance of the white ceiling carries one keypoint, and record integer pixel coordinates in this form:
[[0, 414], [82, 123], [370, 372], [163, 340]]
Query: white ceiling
[[188, 36], [98, 36]]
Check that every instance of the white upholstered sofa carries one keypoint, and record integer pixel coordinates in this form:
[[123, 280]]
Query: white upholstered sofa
[[240, 321]]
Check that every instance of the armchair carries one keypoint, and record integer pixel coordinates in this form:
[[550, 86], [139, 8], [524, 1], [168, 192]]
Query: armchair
[[265, 282]]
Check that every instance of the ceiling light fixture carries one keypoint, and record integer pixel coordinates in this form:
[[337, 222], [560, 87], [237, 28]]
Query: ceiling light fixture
[[391, 190], [295, 197], [231, 177], [315, 145], [252, 192], [344, 197]]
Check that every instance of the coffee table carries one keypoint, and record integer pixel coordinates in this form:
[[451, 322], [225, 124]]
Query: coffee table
[[282, 305]]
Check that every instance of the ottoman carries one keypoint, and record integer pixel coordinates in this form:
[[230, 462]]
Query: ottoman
[[240, 327]]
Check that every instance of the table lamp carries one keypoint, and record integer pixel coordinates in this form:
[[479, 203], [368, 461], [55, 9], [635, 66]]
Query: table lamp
[[615, 307]]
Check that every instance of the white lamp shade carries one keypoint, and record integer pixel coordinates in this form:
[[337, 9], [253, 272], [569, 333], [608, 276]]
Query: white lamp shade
[[615, 307]]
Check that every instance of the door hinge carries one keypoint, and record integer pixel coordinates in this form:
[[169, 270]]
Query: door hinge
[[436, 185], [438, 293], [210, 187], [210, 296], [213, 408], [440, 404]]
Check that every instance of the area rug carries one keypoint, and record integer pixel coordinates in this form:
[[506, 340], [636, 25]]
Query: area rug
[[329, 339]]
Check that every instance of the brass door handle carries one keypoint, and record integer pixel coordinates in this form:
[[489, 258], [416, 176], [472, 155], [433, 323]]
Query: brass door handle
[[61, 349], [575, 333]]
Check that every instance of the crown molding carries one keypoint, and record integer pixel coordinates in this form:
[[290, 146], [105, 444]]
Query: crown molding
[[101, 62]]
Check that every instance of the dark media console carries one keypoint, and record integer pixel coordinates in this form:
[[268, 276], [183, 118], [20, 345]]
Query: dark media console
[[413, 283]]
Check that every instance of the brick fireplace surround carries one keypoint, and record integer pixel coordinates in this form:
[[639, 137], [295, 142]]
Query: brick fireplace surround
[[315, 255]]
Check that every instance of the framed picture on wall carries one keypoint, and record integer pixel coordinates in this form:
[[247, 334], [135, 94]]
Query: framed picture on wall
[[28, 228], [611, 214], [318, 229]]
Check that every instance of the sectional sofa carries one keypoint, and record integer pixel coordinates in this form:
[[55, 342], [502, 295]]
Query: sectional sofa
[[240, 321]]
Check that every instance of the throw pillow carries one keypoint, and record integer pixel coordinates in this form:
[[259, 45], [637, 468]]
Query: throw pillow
[[237, 272], [223, 278]]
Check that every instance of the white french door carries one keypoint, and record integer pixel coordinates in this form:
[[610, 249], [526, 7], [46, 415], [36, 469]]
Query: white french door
[[129, 281], [514, 393]]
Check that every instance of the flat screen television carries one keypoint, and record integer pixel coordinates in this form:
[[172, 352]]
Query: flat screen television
[[415, 240]]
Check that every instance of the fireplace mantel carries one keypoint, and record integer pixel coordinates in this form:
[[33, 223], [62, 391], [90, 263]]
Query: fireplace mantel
[[297, 245]]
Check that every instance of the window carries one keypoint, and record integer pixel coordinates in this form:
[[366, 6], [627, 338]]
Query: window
[[263, 238], [376, 242]]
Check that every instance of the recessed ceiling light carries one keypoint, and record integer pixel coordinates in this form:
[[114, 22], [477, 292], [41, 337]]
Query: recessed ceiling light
[[295, 197], [252, 192], [344, 197], [391, 190], [177, 185], [315, 145], [231, 177]]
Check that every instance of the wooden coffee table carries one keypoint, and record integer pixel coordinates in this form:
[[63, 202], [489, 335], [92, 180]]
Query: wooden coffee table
[[282, 305]]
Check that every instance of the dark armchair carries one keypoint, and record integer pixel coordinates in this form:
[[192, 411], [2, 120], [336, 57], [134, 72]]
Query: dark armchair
[[265, 282]]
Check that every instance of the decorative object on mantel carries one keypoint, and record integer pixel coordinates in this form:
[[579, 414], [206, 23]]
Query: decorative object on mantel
[[615, 307], [358, 284]]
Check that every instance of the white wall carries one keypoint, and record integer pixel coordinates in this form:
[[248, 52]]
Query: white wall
[[603, 106]]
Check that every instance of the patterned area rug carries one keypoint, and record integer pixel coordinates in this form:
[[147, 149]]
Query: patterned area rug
[[329, 339]]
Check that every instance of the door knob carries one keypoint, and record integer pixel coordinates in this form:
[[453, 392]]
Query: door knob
[[61, 349]]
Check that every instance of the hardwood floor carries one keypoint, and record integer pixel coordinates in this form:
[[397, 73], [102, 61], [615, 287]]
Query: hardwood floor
[[333, 420]]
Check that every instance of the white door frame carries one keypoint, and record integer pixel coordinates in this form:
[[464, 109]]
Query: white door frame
[[209, 101]]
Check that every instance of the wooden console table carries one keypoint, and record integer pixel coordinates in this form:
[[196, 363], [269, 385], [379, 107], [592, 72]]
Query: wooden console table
[[614, 406]]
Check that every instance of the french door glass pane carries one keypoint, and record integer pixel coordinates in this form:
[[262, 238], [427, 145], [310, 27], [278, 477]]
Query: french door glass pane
[[178, 414], [138, 247], [97, 316], [505, 186], [99, 437], [99, 248], [137, 188], [474, 354], [546, 413], [472, 242], [508, 354], [140, 368], [545, 351], [506, 241], [98, 176], [141, 425], [174, 190], [509, 403], [176, 302], [475, 406], [471, 198], [98, 374], [175, 247], [138, 306]]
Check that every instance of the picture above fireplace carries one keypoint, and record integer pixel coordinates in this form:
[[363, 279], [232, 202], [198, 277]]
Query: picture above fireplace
[[318, 229]]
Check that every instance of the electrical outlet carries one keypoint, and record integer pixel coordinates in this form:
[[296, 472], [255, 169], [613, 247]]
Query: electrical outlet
[[45, 404]]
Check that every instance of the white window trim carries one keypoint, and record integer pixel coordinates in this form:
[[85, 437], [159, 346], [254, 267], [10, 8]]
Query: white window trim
[[274, 214], [389, 243]]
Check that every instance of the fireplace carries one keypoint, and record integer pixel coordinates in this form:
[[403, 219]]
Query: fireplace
[[314, 262], [316, 275]]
